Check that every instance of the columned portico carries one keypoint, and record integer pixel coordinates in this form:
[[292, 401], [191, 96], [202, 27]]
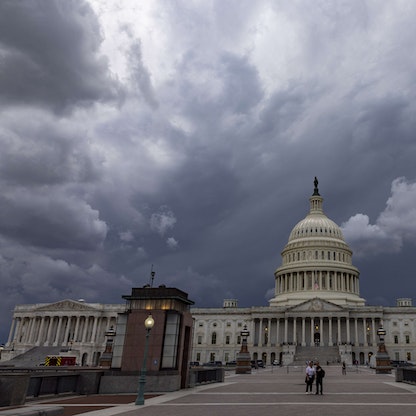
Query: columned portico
[[66, 324]]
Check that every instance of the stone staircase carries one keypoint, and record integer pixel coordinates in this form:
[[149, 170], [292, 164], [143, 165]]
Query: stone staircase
[[324, 355], [32, 358]]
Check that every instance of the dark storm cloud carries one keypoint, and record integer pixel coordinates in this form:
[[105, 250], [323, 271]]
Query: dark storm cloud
[[50, 55], [44, 151], [230, 110], [48, 218]]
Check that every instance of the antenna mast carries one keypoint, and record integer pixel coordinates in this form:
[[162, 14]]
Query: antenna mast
[[152, 276]]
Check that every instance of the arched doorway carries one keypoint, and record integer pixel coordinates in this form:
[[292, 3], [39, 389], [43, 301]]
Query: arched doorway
[[84, 359]]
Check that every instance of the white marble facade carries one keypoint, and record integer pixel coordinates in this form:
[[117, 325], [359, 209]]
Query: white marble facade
[[68, 325]]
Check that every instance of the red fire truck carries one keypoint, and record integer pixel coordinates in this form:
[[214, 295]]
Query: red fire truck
[[59, 360]]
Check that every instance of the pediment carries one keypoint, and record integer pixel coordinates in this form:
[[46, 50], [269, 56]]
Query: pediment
[[316, 305], [65, 305]]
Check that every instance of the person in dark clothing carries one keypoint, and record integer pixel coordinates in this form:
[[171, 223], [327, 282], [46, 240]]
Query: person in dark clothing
[[344, 369], [320, 374]]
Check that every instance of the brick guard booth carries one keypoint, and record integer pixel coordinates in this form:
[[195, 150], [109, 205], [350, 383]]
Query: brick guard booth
[[169, 342]]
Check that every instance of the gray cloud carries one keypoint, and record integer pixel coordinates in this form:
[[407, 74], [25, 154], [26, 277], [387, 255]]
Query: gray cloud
[[50, 55], [229, 109], [395, 226]]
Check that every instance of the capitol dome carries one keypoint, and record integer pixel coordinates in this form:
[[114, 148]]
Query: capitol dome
[[316, 262]]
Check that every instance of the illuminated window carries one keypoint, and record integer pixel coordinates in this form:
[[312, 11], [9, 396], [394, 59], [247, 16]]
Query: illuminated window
[[171, 340]]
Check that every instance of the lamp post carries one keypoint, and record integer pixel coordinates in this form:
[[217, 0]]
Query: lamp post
[[383, 365], [243, 357], [107, 355], [148, 323]]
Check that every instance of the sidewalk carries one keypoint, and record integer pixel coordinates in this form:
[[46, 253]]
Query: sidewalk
[[265, 392]]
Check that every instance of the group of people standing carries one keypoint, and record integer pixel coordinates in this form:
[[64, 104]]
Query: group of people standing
[[314, 372]]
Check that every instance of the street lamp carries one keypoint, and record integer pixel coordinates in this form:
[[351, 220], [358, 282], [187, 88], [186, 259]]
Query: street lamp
[[148, 323], [382, 357], [243, 357], [381, 332]]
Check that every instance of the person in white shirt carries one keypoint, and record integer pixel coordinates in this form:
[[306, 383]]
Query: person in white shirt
[[310, 377]]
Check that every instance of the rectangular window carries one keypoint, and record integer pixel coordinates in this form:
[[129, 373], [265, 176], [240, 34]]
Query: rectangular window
[[396, 339], [199, 339], [227, 339], [407, 339], [171, 340], [238, 339], [198, 356]]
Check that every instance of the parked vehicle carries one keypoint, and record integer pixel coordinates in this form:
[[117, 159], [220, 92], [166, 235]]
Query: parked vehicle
[[213, 364], [397, 363], [59, 360], [260, 363]]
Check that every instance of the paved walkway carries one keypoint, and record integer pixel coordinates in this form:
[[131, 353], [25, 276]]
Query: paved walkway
[[270, 391]]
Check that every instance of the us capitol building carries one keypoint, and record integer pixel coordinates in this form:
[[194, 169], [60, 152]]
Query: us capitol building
[[316, 313]]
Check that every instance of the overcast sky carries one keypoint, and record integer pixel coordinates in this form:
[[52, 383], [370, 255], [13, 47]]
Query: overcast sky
[[187, 134]]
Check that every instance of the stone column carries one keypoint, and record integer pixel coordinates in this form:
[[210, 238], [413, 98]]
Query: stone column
[[321, 326], [373, 324], [48, 334], [84, 332], [286, 326], [25, 329], [330, 340], [277, 331], [39, 338], [365, 332], [11, 332], [28, 330], [56, 341], [348, 330], [312, 329], [295, 341], [32, 328], [339, 330], [356, 341], [68, 327], [260, 342], [76, 329], [18, 330], [94, 329], [303, 332]]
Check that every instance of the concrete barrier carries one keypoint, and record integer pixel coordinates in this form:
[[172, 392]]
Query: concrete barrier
[[34, 411]]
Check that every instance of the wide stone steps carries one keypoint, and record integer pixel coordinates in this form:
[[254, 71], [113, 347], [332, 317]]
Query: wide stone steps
[[325, 355], [34, 357]]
